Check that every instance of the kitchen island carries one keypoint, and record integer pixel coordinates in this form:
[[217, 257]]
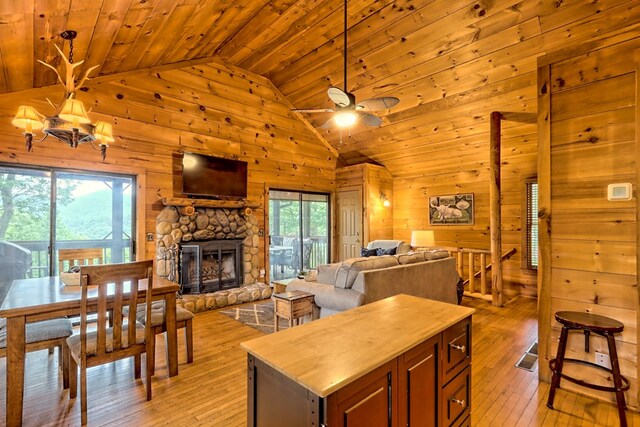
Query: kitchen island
[[398, 360]]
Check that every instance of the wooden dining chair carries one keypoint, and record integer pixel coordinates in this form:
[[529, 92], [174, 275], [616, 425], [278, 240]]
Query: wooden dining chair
[[127, 338], [79, 257], [47, 334], [183, 320]]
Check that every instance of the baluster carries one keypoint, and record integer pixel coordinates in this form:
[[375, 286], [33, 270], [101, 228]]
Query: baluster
[[471, 274], [483, 274]]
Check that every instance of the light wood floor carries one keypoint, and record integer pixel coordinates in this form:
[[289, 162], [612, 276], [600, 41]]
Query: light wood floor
[[212, 390]]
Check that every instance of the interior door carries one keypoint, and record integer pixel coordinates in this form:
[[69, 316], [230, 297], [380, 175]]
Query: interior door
[[349, 227]]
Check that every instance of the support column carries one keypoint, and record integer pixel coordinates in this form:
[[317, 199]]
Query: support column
[[495, 211]]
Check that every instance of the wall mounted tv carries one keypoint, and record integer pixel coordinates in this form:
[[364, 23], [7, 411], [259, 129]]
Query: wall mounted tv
[[208, 176]]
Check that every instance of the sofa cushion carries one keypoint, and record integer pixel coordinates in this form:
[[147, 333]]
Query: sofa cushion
[[364, 252], [327, 273], [328, 296], [432, 254], [350, 268], [410, 258]]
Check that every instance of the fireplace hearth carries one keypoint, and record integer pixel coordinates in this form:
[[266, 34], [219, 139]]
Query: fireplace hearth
[[211, 266]]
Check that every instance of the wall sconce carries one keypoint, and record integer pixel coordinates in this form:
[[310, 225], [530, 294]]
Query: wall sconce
[[383, 198]]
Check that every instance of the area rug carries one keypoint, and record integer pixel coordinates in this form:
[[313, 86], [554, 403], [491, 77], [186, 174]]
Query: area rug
[[258, 315]]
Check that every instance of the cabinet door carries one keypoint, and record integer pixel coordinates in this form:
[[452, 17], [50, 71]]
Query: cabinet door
[[367, 402], [418, 385]]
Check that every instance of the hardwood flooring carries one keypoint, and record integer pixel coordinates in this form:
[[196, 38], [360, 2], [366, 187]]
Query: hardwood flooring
[[212, 390]]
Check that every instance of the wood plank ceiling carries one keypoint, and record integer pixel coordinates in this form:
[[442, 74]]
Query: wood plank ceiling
[[432, 54]]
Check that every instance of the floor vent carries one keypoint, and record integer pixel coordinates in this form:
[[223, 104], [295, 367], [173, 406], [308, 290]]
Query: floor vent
[[529, 359]]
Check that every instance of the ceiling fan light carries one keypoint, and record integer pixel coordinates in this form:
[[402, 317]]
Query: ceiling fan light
[[345, 119]]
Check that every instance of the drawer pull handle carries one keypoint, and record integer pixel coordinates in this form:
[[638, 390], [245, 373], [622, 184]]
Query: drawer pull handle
[[458, 347], [459, 402]]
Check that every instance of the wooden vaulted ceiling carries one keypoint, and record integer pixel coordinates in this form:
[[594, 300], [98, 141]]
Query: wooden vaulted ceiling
[[432, 54]]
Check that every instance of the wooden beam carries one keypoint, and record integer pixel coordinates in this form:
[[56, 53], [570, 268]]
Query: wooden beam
[[495, 207], [637, 76]]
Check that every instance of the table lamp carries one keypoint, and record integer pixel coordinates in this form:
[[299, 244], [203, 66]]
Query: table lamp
[[422, 239]]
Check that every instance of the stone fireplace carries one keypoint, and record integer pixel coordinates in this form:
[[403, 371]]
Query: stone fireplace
[[218, 248]]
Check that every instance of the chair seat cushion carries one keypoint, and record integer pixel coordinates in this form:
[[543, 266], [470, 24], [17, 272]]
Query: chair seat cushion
[[74, 340], [40, 331], [157, 313]]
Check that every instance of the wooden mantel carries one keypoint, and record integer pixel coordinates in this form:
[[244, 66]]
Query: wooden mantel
[[207, 203]]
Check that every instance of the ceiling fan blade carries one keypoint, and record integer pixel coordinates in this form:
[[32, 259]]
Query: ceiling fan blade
[[370, 120], [373, 104], [340, 97], [313, 110]]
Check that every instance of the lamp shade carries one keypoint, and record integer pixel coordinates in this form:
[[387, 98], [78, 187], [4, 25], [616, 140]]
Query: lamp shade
[[27, 118], [104, 132], [73, 111], [422, 238]]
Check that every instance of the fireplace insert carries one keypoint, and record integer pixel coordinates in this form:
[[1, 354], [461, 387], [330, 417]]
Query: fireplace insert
[[211, 266]]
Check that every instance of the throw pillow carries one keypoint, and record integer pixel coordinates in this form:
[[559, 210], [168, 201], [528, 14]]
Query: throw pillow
[[311, 276], [390, 251], [368, 252]]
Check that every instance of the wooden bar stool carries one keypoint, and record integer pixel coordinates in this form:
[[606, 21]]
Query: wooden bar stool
[[600, 325]]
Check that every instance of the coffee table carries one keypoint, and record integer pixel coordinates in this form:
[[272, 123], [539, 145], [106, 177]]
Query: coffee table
[[292, 306]]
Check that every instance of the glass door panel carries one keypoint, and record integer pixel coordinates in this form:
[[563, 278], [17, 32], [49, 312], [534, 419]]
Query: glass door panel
[[25, 224], [299, 232], [94, 211]]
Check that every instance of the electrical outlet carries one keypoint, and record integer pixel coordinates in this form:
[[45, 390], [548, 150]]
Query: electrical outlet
[[262, 272], [603, 359]]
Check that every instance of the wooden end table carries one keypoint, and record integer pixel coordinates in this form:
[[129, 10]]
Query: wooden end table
[[280, 286], [292, 306]]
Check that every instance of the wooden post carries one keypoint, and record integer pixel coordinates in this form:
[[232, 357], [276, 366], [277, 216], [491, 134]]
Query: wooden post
[[472, 279], [483, 274], [460, 264], [495, 204], [544, 221]]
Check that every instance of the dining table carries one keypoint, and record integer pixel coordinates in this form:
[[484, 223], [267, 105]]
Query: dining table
[[36, 299]]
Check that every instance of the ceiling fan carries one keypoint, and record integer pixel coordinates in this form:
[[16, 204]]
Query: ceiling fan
[[348, 112]]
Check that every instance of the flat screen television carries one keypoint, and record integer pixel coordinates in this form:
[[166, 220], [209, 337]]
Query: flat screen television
[[208, 176]]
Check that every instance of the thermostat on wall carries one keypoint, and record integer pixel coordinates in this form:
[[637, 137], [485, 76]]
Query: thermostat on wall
[[620, 191]]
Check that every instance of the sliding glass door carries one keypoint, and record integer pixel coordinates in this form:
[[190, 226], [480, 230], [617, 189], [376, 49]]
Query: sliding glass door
[[298, 232], [45, 210]]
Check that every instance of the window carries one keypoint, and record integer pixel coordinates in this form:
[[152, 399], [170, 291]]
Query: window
[[298, 232], [43, 210], [530, 225]]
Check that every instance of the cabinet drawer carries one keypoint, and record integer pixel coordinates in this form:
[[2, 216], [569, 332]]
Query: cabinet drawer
[[456, 398], [456, 352]]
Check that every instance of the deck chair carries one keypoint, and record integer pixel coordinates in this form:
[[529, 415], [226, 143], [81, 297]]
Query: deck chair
[[127, 338]]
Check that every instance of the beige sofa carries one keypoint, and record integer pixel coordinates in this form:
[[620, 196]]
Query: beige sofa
[[358, 281]]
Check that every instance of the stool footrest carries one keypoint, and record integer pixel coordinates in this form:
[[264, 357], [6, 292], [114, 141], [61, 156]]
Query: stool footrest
[[625, 382]]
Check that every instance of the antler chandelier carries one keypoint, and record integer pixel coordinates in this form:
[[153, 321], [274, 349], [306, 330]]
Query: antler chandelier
[[70, 122]]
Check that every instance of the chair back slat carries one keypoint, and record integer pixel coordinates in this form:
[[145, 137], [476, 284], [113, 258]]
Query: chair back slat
[[79, 257], [118, 285]]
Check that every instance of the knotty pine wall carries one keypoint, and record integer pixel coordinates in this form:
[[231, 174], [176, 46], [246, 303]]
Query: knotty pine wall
[[445, 150], [213, 109], [589, 121]]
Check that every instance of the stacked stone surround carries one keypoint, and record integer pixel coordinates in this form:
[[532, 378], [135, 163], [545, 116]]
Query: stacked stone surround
[[174, 227]]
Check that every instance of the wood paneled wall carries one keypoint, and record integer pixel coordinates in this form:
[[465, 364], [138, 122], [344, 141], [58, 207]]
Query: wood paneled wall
[[440, 144], [215, 109], [374, 181], [589, 138]]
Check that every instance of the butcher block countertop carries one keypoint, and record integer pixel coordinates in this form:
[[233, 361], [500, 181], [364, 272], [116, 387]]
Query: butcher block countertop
[[329, 353]]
